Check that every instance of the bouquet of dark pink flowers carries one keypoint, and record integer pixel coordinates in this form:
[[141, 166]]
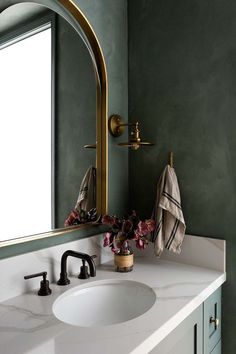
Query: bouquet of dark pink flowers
[[123, 230], [80, 216]]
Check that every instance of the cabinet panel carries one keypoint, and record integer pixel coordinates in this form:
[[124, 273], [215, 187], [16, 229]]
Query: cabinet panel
[[217, 349], [187, 338], [212, 321], [199, 333]]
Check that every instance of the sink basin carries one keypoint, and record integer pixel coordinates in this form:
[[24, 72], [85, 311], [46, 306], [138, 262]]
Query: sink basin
[[104, 303]]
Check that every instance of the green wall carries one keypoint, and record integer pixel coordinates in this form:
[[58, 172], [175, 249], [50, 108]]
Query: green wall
[[182, 89], [75, 117]]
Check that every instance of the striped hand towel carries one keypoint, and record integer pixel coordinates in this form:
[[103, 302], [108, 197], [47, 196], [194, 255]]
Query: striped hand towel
[[170, 224], [87, 193]]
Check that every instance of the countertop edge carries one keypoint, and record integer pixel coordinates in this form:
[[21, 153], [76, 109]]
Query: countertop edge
[[161, 333]]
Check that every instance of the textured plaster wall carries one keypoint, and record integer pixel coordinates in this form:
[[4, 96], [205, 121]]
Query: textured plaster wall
[[182, 88], [75, 117]]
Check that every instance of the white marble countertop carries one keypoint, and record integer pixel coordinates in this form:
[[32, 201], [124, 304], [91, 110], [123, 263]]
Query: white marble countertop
[[27, 324]]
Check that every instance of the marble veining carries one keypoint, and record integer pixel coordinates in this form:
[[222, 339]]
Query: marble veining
[[198, 251], [12, 283], [27, 322]]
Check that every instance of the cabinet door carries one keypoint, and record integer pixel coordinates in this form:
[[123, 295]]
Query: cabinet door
[[217, 349], [212, 321], [187, 338]]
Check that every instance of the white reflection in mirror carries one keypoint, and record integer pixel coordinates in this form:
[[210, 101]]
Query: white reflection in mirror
[[25, 71], [58, 103]]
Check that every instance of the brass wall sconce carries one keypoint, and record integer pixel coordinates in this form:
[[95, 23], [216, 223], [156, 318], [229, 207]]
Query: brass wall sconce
[[116, 127]]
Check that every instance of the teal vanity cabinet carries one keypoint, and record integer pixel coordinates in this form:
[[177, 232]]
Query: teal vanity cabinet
[[199, 333], [187, 338], [217, 349], [212, 323]]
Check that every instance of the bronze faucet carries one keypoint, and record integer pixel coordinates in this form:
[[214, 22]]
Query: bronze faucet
[[89, 259]]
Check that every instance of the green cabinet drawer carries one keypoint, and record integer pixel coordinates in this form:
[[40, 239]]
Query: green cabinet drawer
[[212, 322], [199, 333], [187, 338], [217, 349]]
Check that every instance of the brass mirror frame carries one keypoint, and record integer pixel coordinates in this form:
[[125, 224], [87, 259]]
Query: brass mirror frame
[[97, 57]]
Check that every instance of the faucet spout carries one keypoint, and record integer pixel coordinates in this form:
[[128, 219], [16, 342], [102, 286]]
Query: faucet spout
[[63, 276]]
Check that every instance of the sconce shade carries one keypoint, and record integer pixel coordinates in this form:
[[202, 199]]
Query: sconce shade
[[135, 146]]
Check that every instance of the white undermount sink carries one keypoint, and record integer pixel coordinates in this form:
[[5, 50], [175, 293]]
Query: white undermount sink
[[104, 303]]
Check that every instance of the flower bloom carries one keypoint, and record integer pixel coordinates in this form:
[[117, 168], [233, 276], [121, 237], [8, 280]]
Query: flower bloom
[[143, 228], [141, 243], [108, 220], [122, 230], [150, 224], [137, 234], [116, 245], [107, 239], [71, 218], [127, 226]]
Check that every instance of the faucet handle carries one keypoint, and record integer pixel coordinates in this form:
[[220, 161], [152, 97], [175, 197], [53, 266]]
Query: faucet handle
[[44, 284], [84, 274]]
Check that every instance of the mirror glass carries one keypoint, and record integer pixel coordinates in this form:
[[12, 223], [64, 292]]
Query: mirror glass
[[47, 116]]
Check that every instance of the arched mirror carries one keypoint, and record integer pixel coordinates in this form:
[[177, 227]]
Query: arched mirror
[[53, 109]]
